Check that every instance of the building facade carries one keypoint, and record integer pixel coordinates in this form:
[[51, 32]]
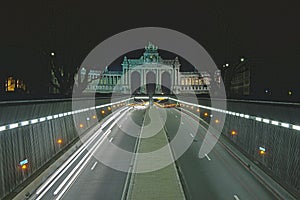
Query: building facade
[[136, 75], [15, 85]]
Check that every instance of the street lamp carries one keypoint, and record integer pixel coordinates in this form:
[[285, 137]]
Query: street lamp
[[227, 65], [52, 54], [242, 59]]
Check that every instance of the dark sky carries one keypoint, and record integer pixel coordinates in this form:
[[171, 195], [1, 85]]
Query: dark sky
[[265, 31]]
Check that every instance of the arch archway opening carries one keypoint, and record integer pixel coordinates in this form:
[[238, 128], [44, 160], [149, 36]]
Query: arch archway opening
[[135, 82], [150, 83], [166, 83]]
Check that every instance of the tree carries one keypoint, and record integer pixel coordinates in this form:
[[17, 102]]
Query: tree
[[64, 68], [229, 72]]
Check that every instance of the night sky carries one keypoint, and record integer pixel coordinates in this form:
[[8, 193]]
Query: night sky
[[266, 32]]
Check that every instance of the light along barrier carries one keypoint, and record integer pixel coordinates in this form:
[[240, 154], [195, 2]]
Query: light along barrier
[[23, 164], [59, 141], [47, 118], [233, 132], [262, 150], [242, 115]]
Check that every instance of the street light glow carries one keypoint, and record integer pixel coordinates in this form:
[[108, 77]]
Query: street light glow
[[24, 167], [262, 150], [59, 141], [233, 132], [242, 59], [52, 54], [227, 65]]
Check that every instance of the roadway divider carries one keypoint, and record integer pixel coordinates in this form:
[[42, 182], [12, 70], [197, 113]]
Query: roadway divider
[[161, 183]]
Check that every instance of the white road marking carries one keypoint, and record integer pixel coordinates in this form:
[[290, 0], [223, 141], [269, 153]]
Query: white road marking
[[191, 135], [83, 162], [68, 181], [94, 165], [236, 197], [111, 139], [176, 116], [208, 158], [54, 177], [182, 123]]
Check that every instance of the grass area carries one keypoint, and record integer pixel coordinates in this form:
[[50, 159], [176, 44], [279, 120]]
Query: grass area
[[162, 183]]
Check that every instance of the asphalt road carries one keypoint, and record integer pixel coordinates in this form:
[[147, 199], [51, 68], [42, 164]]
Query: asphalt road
[[96, 180], [217, 176]]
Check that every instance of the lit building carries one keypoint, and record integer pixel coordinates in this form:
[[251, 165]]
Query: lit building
[[150, 68], [217, 76], [14, 85]]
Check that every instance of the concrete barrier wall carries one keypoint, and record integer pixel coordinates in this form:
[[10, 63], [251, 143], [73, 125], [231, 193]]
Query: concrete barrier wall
[[38, 142], [282, 157]]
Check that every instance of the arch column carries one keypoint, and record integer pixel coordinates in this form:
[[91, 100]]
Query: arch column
[[143, 81], [158, 81], [173, 80]]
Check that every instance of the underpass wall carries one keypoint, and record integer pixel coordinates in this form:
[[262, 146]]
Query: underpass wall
[[282, 157], [38, 142]]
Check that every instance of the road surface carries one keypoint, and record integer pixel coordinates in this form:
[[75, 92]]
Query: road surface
[[216, 176]]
